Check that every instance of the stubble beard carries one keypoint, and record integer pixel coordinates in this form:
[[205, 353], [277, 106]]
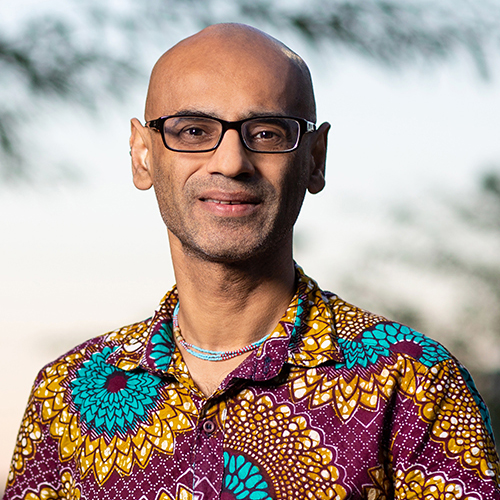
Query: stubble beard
[[232, 240], [222, 240]]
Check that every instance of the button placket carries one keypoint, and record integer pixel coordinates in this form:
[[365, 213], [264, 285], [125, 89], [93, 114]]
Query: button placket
[[208, 455]]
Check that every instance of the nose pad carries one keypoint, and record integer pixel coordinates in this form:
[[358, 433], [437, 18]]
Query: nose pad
[[231, 158]]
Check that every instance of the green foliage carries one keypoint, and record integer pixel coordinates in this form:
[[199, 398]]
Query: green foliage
[[50, 59], [388, 32], [491, 184], [92, 50]]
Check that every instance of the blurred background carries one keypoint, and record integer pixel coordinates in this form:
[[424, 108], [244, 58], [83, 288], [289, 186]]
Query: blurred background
[[408, 225]]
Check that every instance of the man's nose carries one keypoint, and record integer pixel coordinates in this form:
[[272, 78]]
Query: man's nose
[[231, 157]]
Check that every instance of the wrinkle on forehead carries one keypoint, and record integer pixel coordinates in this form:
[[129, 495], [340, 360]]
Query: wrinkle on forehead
[[232, 52]]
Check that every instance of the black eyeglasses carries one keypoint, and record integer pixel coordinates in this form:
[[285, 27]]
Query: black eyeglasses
[[199, 134]]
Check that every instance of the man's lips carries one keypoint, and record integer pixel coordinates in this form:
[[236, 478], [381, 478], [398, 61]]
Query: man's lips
[[224, 198], [229, 204], [226, 202]]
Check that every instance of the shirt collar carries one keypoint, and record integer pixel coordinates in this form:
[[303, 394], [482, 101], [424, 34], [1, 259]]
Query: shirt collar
[[309, 342]]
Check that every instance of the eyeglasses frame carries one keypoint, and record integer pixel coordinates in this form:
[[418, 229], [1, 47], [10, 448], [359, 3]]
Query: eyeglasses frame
[[305, 127]]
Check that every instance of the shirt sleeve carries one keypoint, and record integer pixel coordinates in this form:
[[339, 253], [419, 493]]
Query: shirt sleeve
[[35, 470], [442, 444]]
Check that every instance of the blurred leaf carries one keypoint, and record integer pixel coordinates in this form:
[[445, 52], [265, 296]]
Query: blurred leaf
[[491, 183], [93, 51]]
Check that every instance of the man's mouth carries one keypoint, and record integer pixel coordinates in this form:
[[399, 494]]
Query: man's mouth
[[224, 202]]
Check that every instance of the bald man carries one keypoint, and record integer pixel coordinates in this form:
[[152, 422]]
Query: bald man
[[249, 381]]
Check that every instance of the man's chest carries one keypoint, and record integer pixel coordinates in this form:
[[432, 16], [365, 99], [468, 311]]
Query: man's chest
[[310, 434]]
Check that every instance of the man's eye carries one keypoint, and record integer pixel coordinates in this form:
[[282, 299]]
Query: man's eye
[[265, 134], [195, 134], [196, 131], [268, 135]]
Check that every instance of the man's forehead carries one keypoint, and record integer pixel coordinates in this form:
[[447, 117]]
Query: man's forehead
[[223, 61]]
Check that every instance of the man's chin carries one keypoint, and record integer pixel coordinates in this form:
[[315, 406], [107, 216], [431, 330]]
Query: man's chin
[[221, 255], [231, 252]]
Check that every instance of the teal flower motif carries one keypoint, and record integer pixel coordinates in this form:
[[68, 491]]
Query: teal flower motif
[[385, 338], [110, 400], [243, 480], [403, 339], [162, 345], [362, 353]]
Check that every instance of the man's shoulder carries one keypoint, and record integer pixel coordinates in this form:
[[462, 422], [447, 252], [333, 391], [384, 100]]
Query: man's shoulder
[[365, 336], [365, 339]]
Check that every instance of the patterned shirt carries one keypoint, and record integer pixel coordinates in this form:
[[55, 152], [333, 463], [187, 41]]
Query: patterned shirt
[[338, 403]]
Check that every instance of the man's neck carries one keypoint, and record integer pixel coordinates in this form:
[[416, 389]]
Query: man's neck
[[227, 306]]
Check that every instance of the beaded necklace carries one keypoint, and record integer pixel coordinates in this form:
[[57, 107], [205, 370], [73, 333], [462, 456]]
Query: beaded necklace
[[208, 354]]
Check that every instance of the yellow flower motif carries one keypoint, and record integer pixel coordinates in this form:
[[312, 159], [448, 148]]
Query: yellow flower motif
[[46, 493], [284, 445], [182, 494], [456, 420], [347, 395], [29, 435], [350, 320], [415, 484], [67, 491], [318, 339], [99, 454]]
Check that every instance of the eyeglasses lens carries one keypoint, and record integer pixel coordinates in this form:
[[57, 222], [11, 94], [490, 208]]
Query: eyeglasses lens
[[195, 133], [271, 134], [191, 133]]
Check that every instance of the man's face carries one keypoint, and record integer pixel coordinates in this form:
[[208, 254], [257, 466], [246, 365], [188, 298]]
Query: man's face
[[229, 204]]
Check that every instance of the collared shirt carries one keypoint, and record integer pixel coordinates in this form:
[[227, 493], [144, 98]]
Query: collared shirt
[[337, 403]]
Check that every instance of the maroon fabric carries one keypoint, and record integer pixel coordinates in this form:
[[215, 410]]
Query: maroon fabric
[[337, 403]]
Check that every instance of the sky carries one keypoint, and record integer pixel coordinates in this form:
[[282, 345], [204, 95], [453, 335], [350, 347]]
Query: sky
[[81, 259]]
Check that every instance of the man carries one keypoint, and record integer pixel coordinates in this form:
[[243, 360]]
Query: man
[[249, 381]]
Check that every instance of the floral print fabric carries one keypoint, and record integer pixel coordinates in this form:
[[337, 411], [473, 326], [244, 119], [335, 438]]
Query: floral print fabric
[[347, 406]]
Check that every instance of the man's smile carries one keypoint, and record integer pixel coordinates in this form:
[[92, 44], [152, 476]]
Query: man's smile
[[223, 202], [229, 204], [228, 198]]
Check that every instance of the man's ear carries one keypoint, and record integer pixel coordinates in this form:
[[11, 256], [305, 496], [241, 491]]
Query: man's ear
[[318, 154], [141, 155]]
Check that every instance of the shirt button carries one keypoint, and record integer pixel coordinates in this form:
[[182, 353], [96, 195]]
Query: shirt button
[[208, 426]]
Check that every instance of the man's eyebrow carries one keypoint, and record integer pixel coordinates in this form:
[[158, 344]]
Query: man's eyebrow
[[193, 112], [250, 114], [253, 114]]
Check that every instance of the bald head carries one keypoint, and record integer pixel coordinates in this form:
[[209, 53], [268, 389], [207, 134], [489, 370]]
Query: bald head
[[232, 65]]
